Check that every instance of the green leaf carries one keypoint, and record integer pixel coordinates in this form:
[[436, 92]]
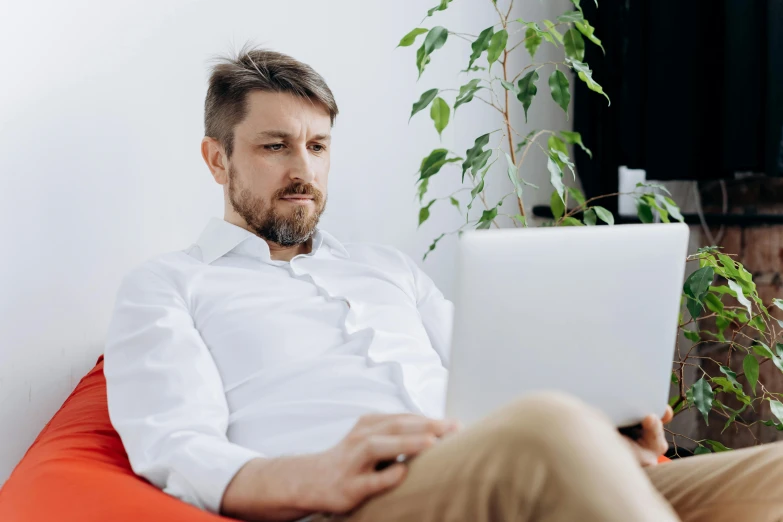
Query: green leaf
[[425, 100], [473, 153], [440, 7], [557, 205], [486, 218], [671, 207], [570, 17], [758, 323], [650, 199], [675, 380], [508, 86], [698, 283], [422, 59], [713, 302], [644, 211], [422, 190], [731, 376], [466, 92], [554, 32], [496, 45], [702, 397], [716, 446], [574, 45], [691, 335], [574, 138], [512, 175], [739, 294], [521, 219], [589, 217], [480, 44], [424, 212], [432, 163], [480, 186], [779, 349], [527, 90], [751, 367], [556, 177], [572, 222], [604, 215], [762, 350], [577, 195], [701, 450], [435, 39], [653, 186], [586, 75], [410, 38], [532, 26], [778, 427], [555, 144], [560, 89], [778, 303], [588, 31], [440, 113], [532, 41], [576, 4], [777, 409], [432, 246]]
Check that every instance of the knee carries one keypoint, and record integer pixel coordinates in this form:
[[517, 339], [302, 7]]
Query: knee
[[545, 422], [549, 411]]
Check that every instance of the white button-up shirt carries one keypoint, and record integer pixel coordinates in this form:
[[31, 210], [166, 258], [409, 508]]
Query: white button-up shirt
[[218, 354]]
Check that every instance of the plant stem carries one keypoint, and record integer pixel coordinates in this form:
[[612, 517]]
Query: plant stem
[[520, 203]]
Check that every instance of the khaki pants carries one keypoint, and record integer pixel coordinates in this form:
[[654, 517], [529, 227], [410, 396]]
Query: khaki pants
[[550, 458]]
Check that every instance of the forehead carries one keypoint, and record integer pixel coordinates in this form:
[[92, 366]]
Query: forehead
[[284, 112]]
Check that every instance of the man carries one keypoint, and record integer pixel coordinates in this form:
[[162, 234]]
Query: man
[[269, 372]]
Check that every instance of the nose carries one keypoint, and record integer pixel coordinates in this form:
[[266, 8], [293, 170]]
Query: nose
[[302, 167]]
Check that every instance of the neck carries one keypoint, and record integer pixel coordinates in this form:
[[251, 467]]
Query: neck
[[281, 253]]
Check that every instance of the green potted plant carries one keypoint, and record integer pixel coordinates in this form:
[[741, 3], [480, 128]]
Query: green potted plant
[[724, 311]]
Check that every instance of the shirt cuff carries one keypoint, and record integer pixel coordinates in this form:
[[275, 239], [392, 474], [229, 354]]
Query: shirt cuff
[[209, 470]]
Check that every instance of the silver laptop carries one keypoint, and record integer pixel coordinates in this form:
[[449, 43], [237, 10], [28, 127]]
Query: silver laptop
[[591, 311]]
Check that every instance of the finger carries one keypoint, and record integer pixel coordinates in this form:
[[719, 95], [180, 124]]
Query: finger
[[387, 447], [668, 415], [653, 438], [414, 424], [377, 482], [644, 457]]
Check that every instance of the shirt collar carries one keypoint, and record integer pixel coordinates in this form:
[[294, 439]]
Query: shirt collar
[[221, 237]]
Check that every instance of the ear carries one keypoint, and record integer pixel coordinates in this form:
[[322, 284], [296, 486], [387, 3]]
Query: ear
[[215, 157]]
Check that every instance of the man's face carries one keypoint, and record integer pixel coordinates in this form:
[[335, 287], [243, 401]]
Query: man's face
[[279, 167]]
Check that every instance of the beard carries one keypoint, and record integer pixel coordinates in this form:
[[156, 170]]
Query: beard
[[285, 228]]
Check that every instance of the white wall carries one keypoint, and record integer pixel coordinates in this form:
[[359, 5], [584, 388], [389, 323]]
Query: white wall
[[100, 123]]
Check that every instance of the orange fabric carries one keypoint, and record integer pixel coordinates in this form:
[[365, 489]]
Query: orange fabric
[[77, 471], [662, 459]]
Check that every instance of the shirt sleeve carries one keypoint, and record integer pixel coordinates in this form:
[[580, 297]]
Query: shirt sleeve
[[437, 312], [165, 394]]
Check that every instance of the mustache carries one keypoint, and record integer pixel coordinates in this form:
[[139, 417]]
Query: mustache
[[299, 189]]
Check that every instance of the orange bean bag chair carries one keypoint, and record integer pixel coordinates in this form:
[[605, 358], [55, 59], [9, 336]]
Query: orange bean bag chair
[[77, 470]]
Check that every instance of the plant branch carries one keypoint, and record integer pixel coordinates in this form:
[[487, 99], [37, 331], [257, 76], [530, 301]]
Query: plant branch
[[509, 128]]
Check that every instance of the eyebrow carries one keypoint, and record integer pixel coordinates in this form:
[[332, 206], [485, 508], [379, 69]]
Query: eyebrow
[[286, 135]]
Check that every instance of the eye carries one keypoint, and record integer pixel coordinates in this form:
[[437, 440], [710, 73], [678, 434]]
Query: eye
[[318, 147], [274, 146]]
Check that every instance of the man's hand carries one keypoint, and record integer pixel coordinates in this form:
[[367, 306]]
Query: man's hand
[[652, 444], [336, 480], [345, 476]]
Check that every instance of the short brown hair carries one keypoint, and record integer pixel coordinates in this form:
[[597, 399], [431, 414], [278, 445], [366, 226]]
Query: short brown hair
[[257, 70]]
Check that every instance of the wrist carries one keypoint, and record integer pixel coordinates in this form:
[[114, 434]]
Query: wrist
[[267, 489]]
